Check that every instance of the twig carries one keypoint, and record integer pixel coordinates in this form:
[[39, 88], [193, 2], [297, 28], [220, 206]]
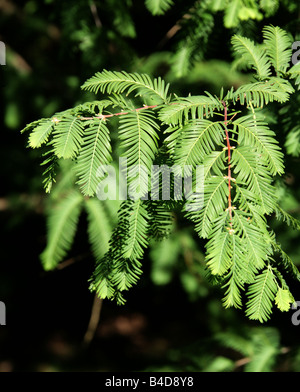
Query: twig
[[71, 260], [104, 116], [94, 320], [95, 14], [229, 165]]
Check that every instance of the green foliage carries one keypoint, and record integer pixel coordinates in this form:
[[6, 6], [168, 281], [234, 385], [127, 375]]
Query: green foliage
[[158, 7], [62, 226], [118, 82], [278, 48], [255, 349], [261, 348], [228, 135], [198, 27]]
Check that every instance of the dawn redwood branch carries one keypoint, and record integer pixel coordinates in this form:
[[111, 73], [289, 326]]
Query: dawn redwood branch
[[229, 165], [104, 116]]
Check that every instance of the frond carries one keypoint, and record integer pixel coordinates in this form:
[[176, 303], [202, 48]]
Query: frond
[[240, 273], [219, 252], [158, 7], [68, 137], [49, 173], [128, 267], [95, 152], [255, 132], [256, 247], [286, 217], [214, 164], [269, 6], [261, 294], [139, 142], [219, 247], [283, 299], [62, 224], [252, 54], [120, 267], [266, 348], [170, 141], [250, 248], [247, 200], [119, 82], [278, 47], [288, 264], [99, 227], [231, 15], [248, 170], [196, 140], [184, 109], [101, 281], [215, 203], [261, 93], [33, 124], [137, 232], [41, 133], [160, 220], [292, 142], [182, 59], [236, 342], [92, 107]]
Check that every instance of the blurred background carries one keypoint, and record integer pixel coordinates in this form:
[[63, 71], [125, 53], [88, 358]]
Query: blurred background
[[173, 319]]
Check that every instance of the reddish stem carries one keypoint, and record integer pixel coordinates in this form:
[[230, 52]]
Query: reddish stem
[[229, 161], [103, 116]]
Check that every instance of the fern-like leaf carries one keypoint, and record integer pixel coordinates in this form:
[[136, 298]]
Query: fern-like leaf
[[215, 203], [255, 132], [286, 217], [160, 220], [283, 299], [51, 163], [68, 137], [62, 224], [278, 47], [119, 82], [255, 245], [239, 274], [252, 54], [99, 227], [41, 133], [137, 233], [95, 151], [138, 135], [261, 93], [231, 16], [248, 170], [261, 294], [182, 109], [196, 140], [158, 7], [120, 267], [266, 348]]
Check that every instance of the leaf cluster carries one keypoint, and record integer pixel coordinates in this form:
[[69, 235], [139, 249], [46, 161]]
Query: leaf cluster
[[220, 149]]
